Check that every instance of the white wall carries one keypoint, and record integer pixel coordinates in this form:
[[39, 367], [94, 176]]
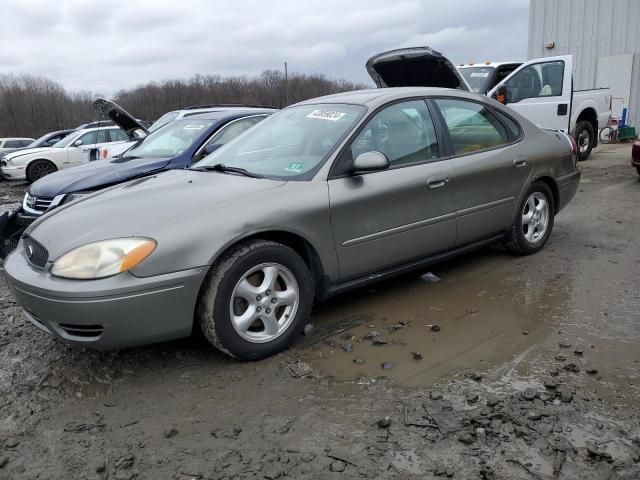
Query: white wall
[[589, 29]]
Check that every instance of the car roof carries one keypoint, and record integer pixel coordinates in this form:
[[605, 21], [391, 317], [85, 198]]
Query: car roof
[[224, 114], [16, 138], [85, 130], [377, 96]]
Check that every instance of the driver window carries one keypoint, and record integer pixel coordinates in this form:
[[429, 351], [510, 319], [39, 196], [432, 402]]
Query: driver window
[[537, 80], [89, 138], [404, 132]]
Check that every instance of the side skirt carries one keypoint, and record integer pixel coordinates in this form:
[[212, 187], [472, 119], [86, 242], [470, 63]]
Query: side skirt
[[339, 288]]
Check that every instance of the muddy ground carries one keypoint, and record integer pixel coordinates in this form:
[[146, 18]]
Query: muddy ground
[[531, 372]]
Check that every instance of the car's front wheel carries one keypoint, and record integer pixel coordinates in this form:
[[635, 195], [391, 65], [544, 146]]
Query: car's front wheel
[[38, 169], [534, 221], [256, 300]]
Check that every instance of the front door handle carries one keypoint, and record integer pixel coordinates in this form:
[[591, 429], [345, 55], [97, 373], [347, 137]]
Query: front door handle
[[437, 181], [520, 162]]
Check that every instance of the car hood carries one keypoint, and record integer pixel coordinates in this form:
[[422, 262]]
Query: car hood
[[414, 67], [138, 207], [94, 175], [120, 117], [28, 151]]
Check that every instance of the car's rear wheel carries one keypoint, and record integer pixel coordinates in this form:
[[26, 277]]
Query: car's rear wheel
[[534, 222], [638, 170], [39, 169], [256, 300], [585, 139]]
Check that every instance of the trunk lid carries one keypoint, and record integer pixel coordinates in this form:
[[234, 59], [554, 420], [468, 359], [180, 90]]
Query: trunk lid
[[121, 118], [414, 67]]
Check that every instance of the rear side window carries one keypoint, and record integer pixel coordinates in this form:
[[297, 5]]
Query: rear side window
[[13, 144], [513, 127], [472, 126], [118, 135]]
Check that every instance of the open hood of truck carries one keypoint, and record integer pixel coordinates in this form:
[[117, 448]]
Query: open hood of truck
[[414, 67], [122, 118]]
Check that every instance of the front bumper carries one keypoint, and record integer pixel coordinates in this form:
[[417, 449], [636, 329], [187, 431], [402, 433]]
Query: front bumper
[[14, 173], [12, 224], [567, 188], [115, 312]]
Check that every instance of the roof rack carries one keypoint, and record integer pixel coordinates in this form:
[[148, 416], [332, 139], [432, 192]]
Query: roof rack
[[215, 105]]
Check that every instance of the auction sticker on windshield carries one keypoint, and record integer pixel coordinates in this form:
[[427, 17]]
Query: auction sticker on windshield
[[480, 74], [331, 115], [295, 167], [193, 127]]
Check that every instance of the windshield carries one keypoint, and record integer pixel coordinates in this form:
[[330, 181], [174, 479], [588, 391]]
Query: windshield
[[66, 141], [477, 77], [291, 144], [170, 140], [163, 120]]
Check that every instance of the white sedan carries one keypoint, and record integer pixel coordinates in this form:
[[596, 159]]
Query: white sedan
[[35, 163]]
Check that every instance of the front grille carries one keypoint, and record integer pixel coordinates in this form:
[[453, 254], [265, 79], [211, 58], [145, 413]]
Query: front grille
[[39, 204], [36, 254], [84, 331]]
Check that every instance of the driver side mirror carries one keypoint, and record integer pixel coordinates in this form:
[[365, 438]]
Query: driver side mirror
[[501, 94], [77, 143], [370, 162]]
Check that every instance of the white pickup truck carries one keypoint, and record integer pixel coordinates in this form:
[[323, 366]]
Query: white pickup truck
[[540, 89]]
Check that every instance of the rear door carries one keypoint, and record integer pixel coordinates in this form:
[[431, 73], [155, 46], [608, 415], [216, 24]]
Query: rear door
[[541, 90], [386, 218], [488, 169]]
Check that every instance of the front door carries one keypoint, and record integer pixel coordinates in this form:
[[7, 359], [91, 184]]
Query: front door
[[488, 170], [541, 91], [389, 217], [76, 152]]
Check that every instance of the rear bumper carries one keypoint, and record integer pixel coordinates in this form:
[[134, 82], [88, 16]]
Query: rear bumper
[[115, 312], [567, 188]]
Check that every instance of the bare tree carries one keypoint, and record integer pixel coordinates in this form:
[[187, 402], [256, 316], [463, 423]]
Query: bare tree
[[32, 106]]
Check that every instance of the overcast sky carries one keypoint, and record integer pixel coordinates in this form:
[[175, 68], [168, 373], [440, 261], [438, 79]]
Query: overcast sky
[[106, 45]]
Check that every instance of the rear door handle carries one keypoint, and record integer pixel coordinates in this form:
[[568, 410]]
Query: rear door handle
[[520, 162], [437, 181]]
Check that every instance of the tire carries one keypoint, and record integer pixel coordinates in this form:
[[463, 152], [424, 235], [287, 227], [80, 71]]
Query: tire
[[216, 314], [519, 241], [638, 170], [585, 139], [39, 169], [607, 135]]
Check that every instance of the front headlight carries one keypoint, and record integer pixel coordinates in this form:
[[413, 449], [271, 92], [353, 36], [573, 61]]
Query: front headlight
[[103, 259]]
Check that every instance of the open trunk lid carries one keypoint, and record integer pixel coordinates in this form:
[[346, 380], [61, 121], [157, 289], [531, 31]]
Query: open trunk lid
[[122, 118], [414, 67]]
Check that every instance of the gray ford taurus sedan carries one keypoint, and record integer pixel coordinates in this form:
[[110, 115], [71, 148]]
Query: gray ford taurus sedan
[[326, 195]]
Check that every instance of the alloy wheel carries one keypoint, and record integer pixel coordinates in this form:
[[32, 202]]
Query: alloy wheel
[[264, 302], [535, 217]]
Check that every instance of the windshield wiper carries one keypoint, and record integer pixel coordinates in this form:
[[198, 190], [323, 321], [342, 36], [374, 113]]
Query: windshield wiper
[[220, 167]]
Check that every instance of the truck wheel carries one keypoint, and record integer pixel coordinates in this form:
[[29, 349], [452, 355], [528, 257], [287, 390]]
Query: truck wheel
[[534, 221], [256, 300], [39, 169], [585, 139]]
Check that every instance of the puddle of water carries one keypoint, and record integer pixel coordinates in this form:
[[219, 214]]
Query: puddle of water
[[482, 322]]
